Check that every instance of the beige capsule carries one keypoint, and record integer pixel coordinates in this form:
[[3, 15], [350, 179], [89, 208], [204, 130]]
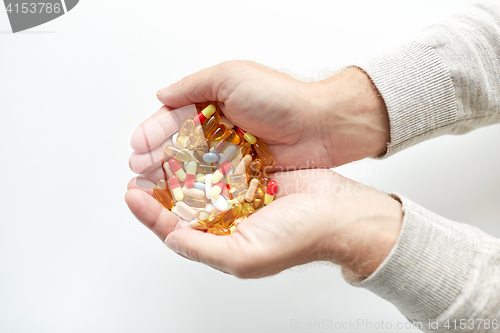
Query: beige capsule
[[252, 188], [185, 211], [193, 192], [244, 163]]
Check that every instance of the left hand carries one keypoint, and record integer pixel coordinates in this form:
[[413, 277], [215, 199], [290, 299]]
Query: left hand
[[317, 215]]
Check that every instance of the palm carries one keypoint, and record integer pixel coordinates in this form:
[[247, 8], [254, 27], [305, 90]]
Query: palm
[[273, 238]]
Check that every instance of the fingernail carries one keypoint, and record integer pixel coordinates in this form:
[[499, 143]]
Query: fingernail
[[171, 243], [161, 91]]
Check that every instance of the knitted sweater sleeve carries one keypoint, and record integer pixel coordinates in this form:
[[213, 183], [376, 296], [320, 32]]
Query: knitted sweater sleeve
[[446, 80]]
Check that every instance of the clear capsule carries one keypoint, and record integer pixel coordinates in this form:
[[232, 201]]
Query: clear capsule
[[177, 153], [197, 139], [195, 202], [185, 132], [199, 152]]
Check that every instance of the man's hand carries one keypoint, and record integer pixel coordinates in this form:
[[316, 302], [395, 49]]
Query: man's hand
[[317, 215], [319, 124]]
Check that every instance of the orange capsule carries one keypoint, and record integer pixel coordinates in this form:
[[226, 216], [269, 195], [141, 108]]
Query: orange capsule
[[254, 169], [198, 225], [214, 220], [253, 153], [257, 204], [231, 215], [219, 230], [162, 193], [264, 153], [217, 133], [210, 125]]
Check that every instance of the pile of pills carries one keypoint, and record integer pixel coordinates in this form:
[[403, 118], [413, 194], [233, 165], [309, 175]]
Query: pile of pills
[[214, 173]]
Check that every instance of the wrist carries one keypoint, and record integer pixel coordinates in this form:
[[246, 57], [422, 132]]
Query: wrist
[[354, 117], [368, 240]]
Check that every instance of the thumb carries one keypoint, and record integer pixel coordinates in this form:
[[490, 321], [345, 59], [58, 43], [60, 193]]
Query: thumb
[[202, 247], [211, 84]]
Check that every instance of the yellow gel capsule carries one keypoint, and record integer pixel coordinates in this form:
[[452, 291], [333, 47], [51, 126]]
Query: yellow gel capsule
[[257, 204], [162, 193], [198, 225], [247, 209], [210, 125], [254, 169], [219, 230], [264, 153], [231, 215], [214, 220], [185, 132], [217, 133], [177, 153]]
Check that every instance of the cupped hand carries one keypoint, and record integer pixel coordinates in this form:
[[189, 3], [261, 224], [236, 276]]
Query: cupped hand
[[319, 124], [316, 215]]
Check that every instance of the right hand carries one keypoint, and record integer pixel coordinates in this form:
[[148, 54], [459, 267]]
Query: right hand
[[306, 125]]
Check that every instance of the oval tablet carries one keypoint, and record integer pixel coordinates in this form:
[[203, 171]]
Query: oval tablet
[[210, 157]]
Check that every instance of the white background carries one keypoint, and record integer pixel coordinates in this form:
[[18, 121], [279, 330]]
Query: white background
[[74, 259]]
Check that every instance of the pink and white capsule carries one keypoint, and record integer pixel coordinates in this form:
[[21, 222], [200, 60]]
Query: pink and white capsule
[[177, 169], [190, 174], [220, 172]]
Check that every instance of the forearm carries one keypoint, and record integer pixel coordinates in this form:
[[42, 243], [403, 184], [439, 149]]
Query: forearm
[[444, 80], [439, 270]]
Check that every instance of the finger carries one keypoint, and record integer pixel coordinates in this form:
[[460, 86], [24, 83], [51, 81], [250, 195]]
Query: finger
[[149, 211], [160, 126], [141, 183], [202, 247], [143, 163], [155, 175], [203, 86]]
